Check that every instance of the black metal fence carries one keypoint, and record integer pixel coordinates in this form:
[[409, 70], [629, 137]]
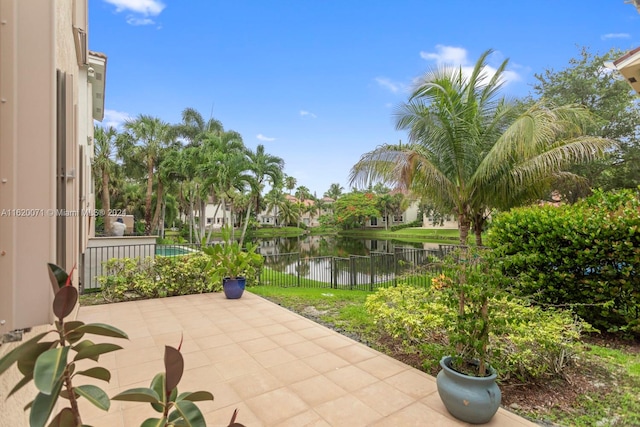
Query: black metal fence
[[95, 258], [378, 269]]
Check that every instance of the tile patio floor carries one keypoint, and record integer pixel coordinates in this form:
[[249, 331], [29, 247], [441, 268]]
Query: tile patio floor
[[278, 368]]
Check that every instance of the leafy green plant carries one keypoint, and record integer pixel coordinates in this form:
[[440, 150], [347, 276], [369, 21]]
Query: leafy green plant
[[467, 285], [51, 364], [583, 256], [161, 276], [176, 409], [525, 341], [230, 260]]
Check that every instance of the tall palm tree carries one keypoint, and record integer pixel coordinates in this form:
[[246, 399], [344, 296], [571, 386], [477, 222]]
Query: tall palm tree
[[334, 191], [104, 166], [225, 169], [303, 193], [290, 183], [262, 166], [148, 137], [169, 172], [289, 213], [275, 199], [470, 151], [384, 203], [194, 127]]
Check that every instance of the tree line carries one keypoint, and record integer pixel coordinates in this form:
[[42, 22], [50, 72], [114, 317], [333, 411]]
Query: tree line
[[472, 151]]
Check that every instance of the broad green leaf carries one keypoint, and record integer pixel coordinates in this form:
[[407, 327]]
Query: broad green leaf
[[140, 394], [174, 366], [94, 351], [42, 406], [70, 331], [154, 422], [49, 369], [64, 301], [82, 345], [158, 385], [196, 396], [28, 359], [102, 329], [65, 418], [94, 395], [190, 413], [97, 372], [58, 277], [14, 355]]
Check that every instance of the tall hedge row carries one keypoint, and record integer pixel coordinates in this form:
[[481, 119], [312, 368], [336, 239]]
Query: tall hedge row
[[585, 256]]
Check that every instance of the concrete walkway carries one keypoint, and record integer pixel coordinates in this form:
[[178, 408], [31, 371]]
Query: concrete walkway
[[276, 367]]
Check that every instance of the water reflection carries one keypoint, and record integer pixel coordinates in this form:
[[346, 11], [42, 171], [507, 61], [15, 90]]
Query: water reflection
[[333, 246], [341, 262]]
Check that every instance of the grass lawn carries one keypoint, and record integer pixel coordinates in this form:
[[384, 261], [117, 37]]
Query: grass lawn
[[601, 389], [412, 234]]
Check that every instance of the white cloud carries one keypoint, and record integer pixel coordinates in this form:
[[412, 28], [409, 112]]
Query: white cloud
[[132, 20], [615, 36], [459, 57], [390, 85], [305, 113], [141, 10], [261, 137], [144, 7], [115, 119], [447, 55]]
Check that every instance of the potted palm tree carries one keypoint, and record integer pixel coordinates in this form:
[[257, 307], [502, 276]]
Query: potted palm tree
[[232, 265], [467, 382]]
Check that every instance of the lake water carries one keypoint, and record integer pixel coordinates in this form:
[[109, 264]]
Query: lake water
[[337, 246], [340, 261]]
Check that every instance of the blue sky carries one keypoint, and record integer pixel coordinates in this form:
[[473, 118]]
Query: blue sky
[[317, 81]]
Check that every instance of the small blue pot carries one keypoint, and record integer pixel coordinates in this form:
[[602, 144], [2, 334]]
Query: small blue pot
[[233, 288]]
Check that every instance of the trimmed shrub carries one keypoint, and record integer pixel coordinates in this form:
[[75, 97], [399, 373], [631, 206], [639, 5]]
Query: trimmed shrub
[[525, 341], [584, 256], [130, 278], [184, 275]]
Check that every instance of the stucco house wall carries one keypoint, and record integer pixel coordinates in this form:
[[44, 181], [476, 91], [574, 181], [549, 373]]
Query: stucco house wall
[[46, 132]]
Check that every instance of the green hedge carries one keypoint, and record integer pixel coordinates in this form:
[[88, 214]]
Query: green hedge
[[161, 276], [584, 256], [416, 223]]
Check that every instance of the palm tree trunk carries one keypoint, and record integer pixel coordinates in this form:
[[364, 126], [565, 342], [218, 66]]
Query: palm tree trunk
[[246, 222], [478, 225], [212, 224], [147, 205], [232, 221], [155, 223], [203, 218], [463, 225], [106, 203]]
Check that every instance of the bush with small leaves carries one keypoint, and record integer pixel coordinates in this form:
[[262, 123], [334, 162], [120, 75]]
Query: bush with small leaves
[[128, 278], [524, 342]]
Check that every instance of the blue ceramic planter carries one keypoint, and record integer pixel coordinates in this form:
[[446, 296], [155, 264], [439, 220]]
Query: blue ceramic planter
[[233, 288], [471, 399]]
